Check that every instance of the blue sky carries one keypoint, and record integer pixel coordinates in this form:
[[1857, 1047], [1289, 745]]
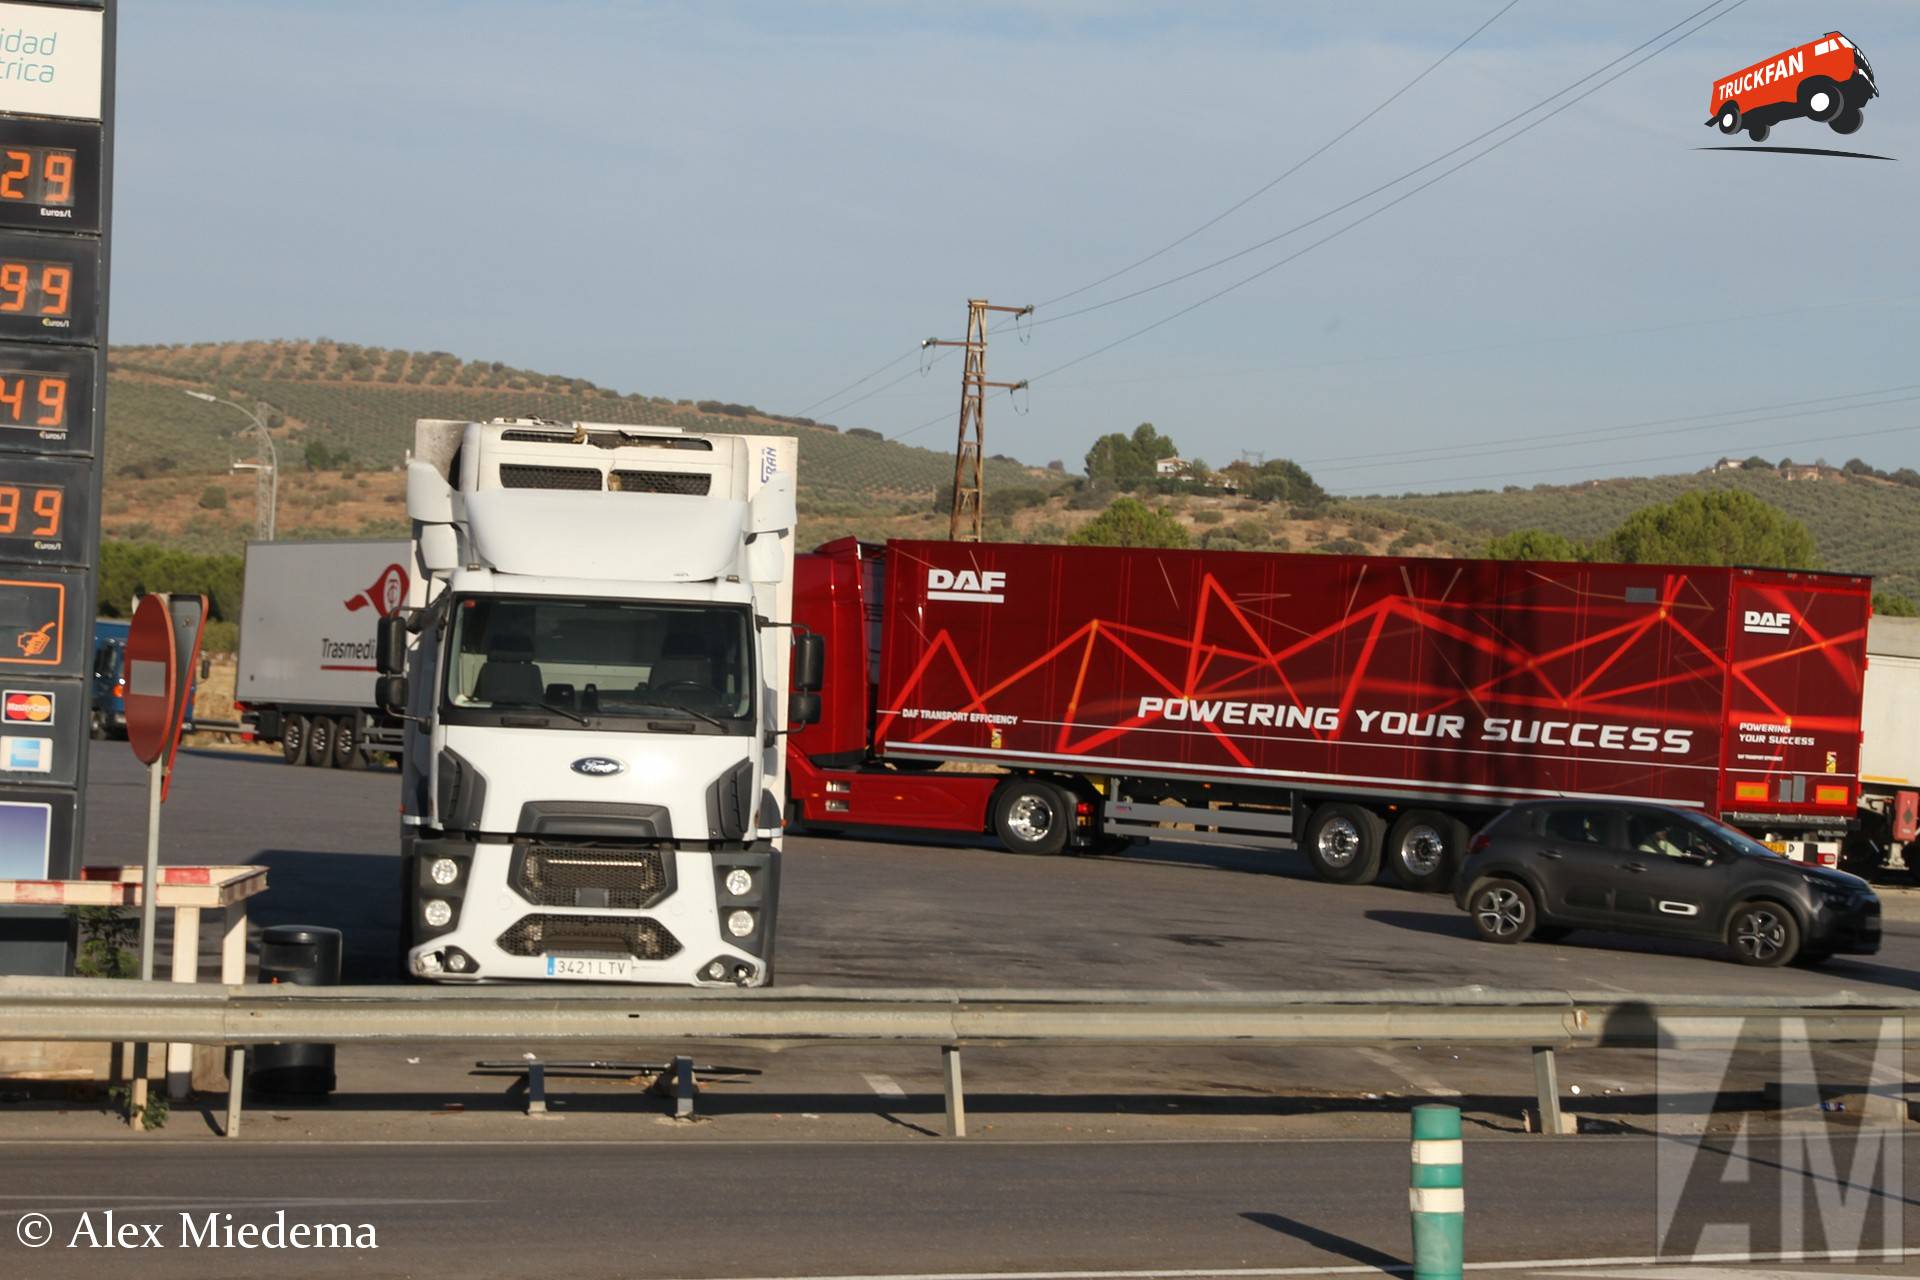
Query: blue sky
[[763, 202]]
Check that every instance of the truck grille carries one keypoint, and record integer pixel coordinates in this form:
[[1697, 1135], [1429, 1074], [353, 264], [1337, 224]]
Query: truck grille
[[696, 483], [589, 935], [585, 876], [523, 475]]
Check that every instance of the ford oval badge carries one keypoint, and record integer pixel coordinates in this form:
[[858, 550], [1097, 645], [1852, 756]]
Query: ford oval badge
[[598, 766]]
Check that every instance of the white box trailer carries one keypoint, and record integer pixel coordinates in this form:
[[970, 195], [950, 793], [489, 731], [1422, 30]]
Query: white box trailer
[[1890, 742], [306, 665]]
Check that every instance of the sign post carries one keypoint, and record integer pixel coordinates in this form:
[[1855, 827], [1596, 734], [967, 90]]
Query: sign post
[[152, 698], [56, 164]]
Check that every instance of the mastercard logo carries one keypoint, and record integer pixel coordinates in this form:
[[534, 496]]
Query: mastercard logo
[[28, 708]]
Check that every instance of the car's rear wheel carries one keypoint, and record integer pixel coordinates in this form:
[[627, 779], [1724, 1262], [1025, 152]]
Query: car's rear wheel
[[1730, 118], [1343, 843], [293, 739], [1763, 934], [1424, 848], [1032, 816], [1502, 910], [320, 742], [1848, 121]]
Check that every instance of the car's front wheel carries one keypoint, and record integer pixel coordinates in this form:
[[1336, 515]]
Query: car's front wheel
[[1502, 910], [1763, 934]]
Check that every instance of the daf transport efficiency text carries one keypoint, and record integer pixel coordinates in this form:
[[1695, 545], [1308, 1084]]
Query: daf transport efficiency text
[[1367, 709], [594, 673]]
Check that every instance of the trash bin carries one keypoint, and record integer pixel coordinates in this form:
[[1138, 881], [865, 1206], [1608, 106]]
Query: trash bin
[[307, 956]]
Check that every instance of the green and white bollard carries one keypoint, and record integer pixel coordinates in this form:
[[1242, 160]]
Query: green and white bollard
[[1437, 1196]]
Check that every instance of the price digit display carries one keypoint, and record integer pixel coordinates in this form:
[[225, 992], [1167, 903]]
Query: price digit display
[[49, 175], [46, 403], [44, 504], [47, 287], [38, 506]]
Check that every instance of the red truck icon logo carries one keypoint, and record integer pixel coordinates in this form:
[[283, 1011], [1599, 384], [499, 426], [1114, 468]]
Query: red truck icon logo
[[1827, 80]]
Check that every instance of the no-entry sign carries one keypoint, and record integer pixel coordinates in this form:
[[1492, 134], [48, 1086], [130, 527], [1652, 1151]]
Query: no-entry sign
[[152, 672]]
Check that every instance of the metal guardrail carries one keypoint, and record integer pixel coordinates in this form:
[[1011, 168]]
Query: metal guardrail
[[1541, 1021]]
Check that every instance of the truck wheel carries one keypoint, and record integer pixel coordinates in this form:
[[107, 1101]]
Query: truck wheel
[[1031, 816], [1502, 910], [1821, 99], [1763, 934], [1424, 848], [346, 745], [1758, 132], [293, 739], [1848, 121], [1343, 843], [320, 742], [1730, 118]]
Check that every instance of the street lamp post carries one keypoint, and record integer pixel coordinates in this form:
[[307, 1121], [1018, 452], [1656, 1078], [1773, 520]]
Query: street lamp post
[[267, 490]]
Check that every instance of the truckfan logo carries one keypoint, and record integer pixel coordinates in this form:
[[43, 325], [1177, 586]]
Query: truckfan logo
[[1828, 81], [1761, 622], [385, 596], [598, 766], [988, 586]]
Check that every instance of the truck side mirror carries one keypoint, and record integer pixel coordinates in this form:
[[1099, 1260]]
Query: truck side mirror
[[390, 646], [803, 709], [809, 663], [390, 692]]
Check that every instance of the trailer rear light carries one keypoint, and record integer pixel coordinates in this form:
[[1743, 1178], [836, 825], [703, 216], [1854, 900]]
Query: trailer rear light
[[1831, 795], [1749, 791], [1828, 858], [1084, 808], [241, 706]]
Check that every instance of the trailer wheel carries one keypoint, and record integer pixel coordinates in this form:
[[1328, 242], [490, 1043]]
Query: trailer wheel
[[1848, 121], [347, 753], [320, 742], [1343, 843], [1763, 934], [1730, 118], [1424, 848], [1031, 816], [1758, 132], [1821, 99], [293, 739]]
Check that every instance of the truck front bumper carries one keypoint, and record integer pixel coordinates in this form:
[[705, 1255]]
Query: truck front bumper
[[547, 910]]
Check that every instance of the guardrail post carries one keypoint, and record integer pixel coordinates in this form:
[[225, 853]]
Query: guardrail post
[[1546, 1087], [236, 1087], [956, 1094], [683, 1088], [1436, 1195], [186, 968], [536, 1088]]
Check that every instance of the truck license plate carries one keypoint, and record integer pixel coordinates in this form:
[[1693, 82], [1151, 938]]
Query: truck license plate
[[601, 968]]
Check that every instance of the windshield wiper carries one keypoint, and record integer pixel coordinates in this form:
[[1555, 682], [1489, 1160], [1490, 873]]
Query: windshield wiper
[[574, 716], [715, 721]]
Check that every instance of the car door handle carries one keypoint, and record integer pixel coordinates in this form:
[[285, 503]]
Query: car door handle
[[1550, 855], [1634, 866]]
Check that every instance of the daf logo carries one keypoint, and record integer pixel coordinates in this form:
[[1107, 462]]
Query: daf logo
[[1768, 623], [598, 766], [985, 585]]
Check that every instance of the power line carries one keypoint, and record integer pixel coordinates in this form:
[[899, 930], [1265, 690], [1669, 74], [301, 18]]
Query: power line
[[1664, 457], [1399, 199], [859, 382], [1311, 156], [1573, 439]]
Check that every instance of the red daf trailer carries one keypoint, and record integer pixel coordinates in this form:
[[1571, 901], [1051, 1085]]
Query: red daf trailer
[[1367, 709]]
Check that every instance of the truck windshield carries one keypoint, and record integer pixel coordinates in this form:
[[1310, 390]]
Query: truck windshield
[[609, 664]]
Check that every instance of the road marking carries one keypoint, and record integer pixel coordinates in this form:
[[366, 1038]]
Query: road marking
[[883, 1085], [1718, 1273], [1260, 1273], [1418, 1079]]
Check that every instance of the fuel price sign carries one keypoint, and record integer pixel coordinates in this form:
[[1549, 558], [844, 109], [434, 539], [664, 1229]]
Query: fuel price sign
[[43, 511], [49, 175], [46, 399], [47, 287]]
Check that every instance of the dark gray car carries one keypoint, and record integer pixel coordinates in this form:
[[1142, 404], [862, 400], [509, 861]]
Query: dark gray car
[[1543, 869]]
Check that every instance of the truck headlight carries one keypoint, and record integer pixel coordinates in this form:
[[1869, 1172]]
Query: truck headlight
[[444, 871], [436, 913], [740, 923], [739, 882]]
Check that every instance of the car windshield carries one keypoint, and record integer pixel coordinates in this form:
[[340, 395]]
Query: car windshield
[[599, 660]]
